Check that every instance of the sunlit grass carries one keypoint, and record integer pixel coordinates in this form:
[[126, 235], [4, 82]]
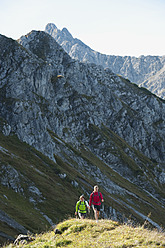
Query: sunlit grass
[[106, 233]]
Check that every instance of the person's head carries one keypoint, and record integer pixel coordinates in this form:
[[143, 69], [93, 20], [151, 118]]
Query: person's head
[[96, 188], [82, 198]]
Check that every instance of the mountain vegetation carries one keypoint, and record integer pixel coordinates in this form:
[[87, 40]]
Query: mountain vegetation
[[87, 233], [66, 126]]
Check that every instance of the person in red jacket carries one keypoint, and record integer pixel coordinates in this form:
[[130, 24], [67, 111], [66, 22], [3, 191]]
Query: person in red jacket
[[95, 201]]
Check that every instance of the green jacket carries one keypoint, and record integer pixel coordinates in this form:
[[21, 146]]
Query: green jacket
[[81, 207]]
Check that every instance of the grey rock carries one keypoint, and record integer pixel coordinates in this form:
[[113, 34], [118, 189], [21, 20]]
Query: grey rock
[[23, 239], [10, 178], [146, 71], [6, 130], [5, 218], [14, 180]]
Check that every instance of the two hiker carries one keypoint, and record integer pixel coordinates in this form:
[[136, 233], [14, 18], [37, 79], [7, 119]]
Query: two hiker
[[95, 201]]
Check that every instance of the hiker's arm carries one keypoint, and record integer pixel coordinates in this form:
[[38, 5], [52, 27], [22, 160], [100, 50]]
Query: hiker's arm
[[90, 200], [101, 197], [87, 204], [77, 204]]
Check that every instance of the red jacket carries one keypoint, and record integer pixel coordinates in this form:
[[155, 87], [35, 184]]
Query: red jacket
[[95, 198]]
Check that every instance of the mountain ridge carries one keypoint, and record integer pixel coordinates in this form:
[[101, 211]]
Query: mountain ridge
[[145, 71]]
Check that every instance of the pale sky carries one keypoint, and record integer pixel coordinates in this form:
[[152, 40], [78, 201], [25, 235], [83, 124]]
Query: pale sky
[[114, 27]]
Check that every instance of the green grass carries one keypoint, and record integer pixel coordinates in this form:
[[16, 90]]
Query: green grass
[[106, 233]]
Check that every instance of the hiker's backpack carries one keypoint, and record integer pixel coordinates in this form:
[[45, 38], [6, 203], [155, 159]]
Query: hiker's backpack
[[93, 196], [82, 206], [102, 204]]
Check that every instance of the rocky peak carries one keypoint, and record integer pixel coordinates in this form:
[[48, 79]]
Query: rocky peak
[[67, 33], [145, 71], [65, 39], [50, 26], [44, 47]]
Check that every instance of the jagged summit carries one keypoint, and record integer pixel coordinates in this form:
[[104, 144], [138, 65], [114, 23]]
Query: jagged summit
[[64, 38], [44, 46], [146, 71], [50, 26], [65, 31]]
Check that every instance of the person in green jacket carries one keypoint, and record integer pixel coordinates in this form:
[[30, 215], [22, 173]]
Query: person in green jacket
[[81, 207]]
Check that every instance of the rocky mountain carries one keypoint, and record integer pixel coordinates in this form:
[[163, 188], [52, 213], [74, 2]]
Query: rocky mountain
[[66, 126], [145, 71]]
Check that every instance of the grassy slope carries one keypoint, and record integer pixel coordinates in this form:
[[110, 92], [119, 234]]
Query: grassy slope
[[142, 201], [37, 168], [105, 233]]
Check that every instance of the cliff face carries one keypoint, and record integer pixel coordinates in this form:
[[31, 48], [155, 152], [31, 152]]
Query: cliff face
[[146, 71], [99, 126]]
